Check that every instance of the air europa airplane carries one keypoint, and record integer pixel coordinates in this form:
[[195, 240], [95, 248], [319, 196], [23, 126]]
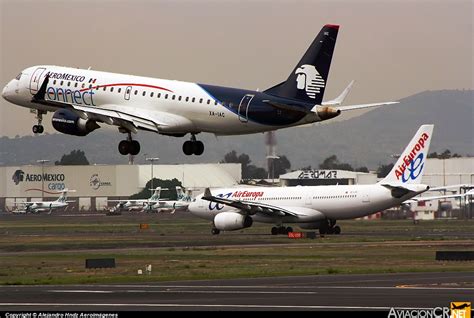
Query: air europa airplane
[[316, 207], [81, 99]]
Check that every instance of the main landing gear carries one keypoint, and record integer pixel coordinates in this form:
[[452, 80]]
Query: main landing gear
[[193, 146], [281, 230], [129, 146], [39, 129], [329, 227]]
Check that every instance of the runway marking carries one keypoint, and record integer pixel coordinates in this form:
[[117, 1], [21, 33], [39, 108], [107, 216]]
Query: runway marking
[[82, 291], [183, 291], [279, 287]]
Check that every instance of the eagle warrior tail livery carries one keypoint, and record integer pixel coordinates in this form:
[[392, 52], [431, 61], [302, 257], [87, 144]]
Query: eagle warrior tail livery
[[308, 80]]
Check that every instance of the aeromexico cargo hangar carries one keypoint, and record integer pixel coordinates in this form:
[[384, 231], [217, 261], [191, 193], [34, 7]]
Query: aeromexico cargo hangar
[[95, 184]]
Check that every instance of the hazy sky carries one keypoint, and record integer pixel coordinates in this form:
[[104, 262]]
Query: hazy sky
[[393, 49]]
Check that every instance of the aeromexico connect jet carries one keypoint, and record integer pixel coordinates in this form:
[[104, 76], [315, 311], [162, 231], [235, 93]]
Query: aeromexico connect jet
[[316, 207], [81, 99]]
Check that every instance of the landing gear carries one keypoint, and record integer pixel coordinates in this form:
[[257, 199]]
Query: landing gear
[[129, 146], [39, 129], [193, 146], [329, 227], [281, 230], [215, 231]]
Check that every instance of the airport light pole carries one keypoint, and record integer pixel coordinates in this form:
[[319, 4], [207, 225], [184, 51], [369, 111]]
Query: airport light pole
[[152, 161], [273, 166], [42, 161]]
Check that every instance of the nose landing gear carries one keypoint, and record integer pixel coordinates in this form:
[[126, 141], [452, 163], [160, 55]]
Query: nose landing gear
[[39, 129], [193, 146]]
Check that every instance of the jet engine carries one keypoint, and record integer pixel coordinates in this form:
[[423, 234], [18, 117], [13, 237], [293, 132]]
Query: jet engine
[[230, 221], [67, 122]]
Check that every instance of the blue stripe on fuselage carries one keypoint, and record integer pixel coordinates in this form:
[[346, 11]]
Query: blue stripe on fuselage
[[258, 111]]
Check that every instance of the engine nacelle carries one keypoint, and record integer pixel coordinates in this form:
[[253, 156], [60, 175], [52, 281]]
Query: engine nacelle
[[69, 123], [231, 221]]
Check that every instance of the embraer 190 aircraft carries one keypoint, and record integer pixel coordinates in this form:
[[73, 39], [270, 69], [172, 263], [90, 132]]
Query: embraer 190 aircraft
[[316, 207], [81, 99]]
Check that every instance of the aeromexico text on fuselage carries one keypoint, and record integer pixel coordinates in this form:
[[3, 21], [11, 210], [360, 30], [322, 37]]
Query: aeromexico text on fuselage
[[230, 98]]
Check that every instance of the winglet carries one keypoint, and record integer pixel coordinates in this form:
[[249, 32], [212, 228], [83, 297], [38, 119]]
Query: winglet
[[339, 99], [207, 193]]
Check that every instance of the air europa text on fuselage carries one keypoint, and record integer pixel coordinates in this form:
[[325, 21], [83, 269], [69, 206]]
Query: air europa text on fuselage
[[246, 194], [66, 76], [408, 159]]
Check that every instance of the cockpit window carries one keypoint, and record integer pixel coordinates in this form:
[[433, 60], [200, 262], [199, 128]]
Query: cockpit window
[[18, 77]]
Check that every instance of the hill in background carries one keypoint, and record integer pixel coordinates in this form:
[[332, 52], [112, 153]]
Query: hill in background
[[367, 140]]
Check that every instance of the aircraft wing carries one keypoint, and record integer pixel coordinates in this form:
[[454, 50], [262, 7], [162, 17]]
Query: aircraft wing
[[260, 208], [362, 106], [110, 114]]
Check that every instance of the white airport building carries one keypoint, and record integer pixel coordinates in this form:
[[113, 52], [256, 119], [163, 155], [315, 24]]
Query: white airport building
[[95, 184]]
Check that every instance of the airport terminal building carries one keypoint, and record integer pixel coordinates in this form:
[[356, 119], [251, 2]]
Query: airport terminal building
[[95, 184]]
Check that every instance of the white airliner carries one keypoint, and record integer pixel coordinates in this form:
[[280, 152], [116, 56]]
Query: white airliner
[[316, 207], [180, 204], [81, 99], [44, 206], [136, 205]]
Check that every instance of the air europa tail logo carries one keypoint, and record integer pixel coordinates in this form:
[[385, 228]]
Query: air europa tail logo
[[413, 162], [309, 79]]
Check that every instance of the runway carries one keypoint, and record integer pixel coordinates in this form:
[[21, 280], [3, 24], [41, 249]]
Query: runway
[[377, 292]]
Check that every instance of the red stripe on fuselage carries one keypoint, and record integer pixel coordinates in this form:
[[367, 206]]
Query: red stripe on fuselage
[[126, 84]]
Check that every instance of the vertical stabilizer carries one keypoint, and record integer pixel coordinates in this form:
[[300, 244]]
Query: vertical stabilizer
[[308, 79], [411, 163]]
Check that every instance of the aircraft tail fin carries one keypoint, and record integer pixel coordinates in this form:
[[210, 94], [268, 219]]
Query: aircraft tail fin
[[156, 194], [308, 79], [410, 165]]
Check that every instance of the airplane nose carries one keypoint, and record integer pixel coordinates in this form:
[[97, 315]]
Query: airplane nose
[[4, 91]]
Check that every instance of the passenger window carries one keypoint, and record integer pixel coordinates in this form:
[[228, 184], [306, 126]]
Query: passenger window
[[208, 101], [75, 85], [83, 85], [54, 82], [111, 89], [215, 102], [128, 91], [187, 98], [105, 88], [151, 94], [18, 77], [200, 101], [144, 92], [136, 92], [159, 95], [119, 90], [62, 82], [166, 96], [193, 99], [97, 87], [173, 97], [68, 84], [179, 98]]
